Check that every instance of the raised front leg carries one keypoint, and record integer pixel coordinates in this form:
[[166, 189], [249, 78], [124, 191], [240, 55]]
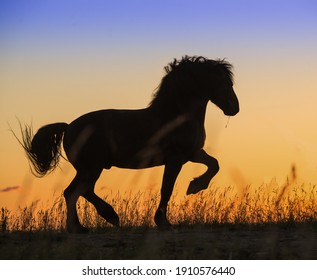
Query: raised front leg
[[171, 172], [202, 182]]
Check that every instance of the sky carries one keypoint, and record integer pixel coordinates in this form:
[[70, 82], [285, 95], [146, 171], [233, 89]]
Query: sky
[[61, 59]]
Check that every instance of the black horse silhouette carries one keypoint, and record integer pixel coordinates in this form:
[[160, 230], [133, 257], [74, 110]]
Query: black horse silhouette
[[169, 132]]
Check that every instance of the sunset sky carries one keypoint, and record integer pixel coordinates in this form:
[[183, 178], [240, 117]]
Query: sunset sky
[[61, 59]]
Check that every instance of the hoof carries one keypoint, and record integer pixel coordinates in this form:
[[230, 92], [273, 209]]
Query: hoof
[[110, 215], [194, 187], [114, 220], [161, 220]]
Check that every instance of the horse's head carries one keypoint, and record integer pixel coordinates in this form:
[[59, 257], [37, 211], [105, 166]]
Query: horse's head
[[220, 87], [200, 78]]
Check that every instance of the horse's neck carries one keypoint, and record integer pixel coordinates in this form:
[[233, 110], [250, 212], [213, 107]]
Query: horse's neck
[[198, 111], [194, 110]]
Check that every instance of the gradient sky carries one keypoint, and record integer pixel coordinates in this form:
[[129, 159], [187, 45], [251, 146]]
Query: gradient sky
[[61, 59]]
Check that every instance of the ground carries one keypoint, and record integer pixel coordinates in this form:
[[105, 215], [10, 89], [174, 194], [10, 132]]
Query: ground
[[249, 242]]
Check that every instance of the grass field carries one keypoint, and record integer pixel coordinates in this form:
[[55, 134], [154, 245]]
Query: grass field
[[267, 222]]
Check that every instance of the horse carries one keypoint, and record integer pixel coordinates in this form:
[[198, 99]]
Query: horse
[[169, 131]]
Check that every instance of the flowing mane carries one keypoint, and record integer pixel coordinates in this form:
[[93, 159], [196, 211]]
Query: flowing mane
[[187, 65]]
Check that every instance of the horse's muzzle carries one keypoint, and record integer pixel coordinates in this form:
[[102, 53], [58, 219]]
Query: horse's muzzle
[[232, 109]]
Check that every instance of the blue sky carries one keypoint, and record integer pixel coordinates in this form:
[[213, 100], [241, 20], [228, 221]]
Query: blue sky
[[111, 25]]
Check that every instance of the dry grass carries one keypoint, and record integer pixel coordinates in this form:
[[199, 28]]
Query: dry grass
[[271, 203]]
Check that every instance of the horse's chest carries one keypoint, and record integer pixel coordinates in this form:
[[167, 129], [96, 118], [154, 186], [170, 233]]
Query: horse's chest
[[189, 138]]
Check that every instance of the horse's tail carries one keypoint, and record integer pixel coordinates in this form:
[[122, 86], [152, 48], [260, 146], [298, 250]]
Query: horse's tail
[[44, 149]]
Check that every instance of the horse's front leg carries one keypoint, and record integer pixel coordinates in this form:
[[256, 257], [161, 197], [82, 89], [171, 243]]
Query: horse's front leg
[[202, 182], [171, 171]]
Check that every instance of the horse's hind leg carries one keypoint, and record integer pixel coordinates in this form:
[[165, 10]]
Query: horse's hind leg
[[202, 182], [71, 194], [82, 182], [104, 209], [83, 185]]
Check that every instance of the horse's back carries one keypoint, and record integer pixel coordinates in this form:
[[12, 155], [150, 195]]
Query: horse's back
[[107, 137]]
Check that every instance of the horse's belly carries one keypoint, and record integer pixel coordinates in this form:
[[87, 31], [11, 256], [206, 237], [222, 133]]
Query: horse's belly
[[138, 161]]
